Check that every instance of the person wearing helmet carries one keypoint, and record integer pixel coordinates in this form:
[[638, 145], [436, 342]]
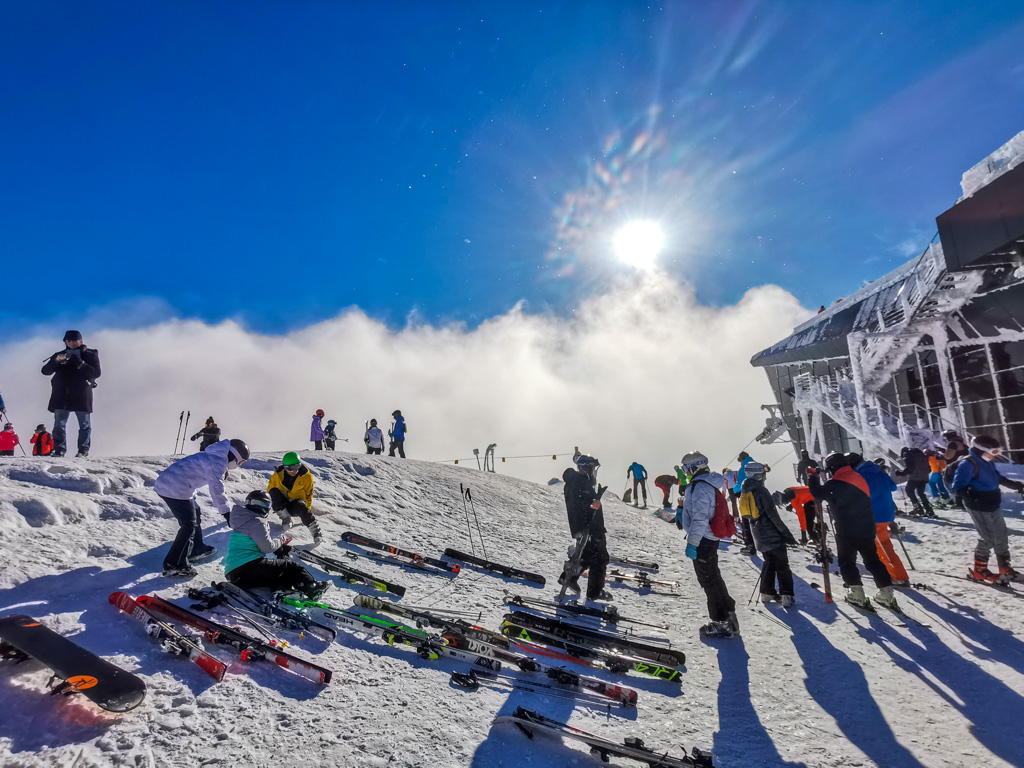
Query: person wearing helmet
[[916, 471], [330, 437], [977, 482], [954, 450], [849, 499], [397, 435], [291, 492], [178, 484], [881, 487], [74, 370], [704, 494], [748, 538], [639, 474], [210, 434], [316, 432], [806, 462], [373, 438], [583, 509], [8, 440], [246, 564], [770, 537], [42, 442]]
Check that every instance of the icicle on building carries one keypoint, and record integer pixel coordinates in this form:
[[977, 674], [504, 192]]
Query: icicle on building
[[936, 344]]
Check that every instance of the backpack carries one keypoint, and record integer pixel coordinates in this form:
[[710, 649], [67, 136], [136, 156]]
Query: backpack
[[722, 524]]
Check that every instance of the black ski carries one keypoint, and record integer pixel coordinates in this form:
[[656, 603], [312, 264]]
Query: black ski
[[631, 563], [396, 560], [368, 543], [608, 613], [572, 569], [347, 573], [490, 565]]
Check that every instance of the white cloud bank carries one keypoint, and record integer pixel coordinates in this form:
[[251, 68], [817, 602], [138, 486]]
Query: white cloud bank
[[643, 372]]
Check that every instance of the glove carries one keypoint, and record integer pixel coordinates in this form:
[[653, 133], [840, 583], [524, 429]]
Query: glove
[[691, 551], [194, 438], [282, 551]]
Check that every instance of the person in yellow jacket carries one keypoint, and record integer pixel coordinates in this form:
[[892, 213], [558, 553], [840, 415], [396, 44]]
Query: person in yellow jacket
[[291, 493]]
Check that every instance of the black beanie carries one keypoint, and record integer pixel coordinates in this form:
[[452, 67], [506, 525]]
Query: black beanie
[[73, 336]]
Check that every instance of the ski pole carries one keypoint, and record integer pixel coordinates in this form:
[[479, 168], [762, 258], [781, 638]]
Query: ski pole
[[476, 519], [188, 416], [181, 419], [469, 528], [8, 419], [906, 554], [755, 587]]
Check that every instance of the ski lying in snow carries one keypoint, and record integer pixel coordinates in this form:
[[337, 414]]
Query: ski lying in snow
[[363, 541], [278, 614], [476, 679], [490, 565], [170, 639], [396, 560], [78, 670], [641, 578], [249, 647], [586, 635], [607, 613], [347, 573], [612, 657], [631, 563], [529, 722]]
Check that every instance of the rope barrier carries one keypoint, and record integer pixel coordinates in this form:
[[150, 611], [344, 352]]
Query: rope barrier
[[554, 457]]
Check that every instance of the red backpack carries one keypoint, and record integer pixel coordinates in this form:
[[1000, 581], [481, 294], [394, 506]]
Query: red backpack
[[722, 524]]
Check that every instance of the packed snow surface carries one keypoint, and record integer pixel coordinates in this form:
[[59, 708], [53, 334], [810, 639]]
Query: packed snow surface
[[816, 685]]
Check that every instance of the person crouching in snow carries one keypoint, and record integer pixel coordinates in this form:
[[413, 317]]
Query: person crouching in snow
[[291, 493], [178, 484], [797, 498], [770, 537], [665, 483], [316, 432], [977, 482], [245, 564], [699, 505], [849, 499]]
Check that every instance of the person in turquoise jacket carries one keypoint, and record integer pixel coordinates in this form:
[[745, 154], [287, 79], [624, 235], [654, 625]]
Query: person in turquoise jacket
[[246, 564]]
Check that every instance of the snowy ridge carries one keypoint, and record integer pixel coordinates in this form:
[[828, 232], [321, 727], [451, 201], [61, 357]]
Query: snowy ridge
[[815, 686]]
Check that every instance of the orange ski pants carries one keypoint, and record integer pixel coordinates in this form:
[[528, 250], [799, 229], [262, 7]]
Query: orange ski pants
[[887, 554]]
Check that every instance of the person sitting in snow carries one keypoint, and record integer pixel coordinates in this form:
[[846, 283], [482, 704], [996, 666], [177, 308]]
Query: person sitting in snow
[[178, 484], [291, 493], [210, 434], [770, 537], [246, 564], [8, 440], [42, 442]]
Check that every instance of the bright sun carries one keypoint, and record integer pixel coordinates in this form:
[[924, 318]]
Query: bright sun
[[638, 244]]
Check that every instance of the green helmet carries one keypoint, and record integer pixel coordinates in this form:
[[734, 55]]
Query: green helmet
[[291, 459]]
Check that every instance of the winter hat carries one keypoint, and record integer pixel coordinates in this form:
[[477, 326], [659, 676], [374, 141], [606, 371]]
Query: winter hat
[[985, 444], [396, 413], [73, 336], [743, 455], [291, 459], [855, 459], [7, 426], [209, 419], [41, 428]]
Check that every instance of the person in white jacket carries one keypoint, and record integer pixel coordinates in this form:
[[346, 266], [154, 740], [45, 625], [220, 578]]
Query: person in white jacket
[[695, 517], [177, 486]]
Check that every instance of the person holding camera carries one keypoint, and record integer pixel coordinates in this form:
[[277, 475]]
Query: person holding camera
[[74, 370]]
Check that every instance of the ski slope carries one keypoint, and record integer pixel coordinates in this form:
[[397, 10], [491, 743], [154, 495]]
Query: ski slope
[[818, 685]]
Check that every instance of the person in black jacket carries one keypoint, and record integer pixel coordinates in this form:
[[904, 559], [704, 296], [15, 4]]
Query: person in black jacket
[[583, 508], [770, 537], [917, 472], [74, 370], [210, 434], [806, 462], [849, 500]]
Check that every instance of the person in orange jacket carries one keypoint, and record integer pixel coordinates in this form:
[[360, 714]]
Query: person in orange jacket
[[8, 440], [42, 442], [935, 484]]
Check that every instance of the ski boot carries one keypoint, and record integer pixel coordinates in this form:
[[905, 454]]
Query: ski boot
[[603, 596], [886, 598], [185, 572], [286, 521], [315, 591], [205, 552], [717, 629], [788, 601], [980, 571], [747, 550], [855, 596], [314, 528], [803, 537], [1006, 572], [901, 583], [768, 597], [734, 623]]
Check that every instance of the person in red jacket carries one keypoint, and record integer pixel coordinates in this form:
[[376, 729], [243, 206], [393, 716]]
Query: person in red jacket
[[42, 442], [797, 498], [8, 440]]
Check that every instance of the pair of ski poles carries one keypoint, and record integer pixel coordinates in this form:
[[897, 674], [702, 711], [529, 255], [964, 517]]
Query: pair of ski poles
[[468, 496], [181, 436]]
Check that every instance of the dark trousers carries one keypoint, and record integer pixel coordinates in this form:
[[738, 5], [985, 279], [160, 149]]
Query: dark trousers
[[748, 537], [812, 520], [318, 445], [639, 484], [294, 507], [190, 531], [847, 550], [330, 444], [7, 453], [376, 451], [667, 490], [273, 574], [915, 491], [720, 603], [776, 565], [397, 445], [595, 557]]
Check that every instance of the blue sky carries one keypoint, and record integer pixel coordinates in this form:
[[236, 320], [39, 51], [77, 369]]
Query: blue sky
[[277, 162]]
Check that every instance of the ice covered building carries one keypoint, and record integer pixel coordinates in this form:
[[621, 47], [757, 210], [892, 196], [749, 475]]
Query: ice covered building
[[936, 344]]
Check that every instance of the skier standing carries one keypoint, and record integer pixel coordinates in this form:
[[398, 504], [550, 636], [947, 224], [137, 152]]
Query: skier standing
[[917, 471], [955, 449], [850, 501], [316, 432], [245, 565], [75, 370], [737, 488], [935, 485], [330, 438], [699, 507], [806, 462], [210, 434], [291, 493], [881, 488], [42, 442], [397, 435], [8, 440], [770, 537], [665, 483], [583, 508], [374, 439], [636, 469], [178, 484], [977, 482]]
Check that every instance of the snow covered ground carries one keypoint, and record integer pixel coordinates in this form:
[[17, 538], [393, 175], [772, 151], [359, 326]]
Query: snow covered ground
[[818, 685]]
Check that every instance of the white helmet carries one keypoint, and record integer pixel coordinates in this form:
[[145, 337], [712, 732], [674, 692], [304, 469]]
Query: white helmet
[[755, 470], [693, 462]]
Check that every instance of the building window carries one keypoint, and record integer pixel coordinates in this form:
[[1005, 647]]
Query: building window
[[1008, 354], [1011, 383], [969, 361], [976, 389]]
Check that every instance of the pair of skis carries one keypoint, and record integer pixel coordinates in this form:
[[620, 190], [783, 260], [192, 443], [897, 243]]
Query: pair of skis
[[573, 568], [365, 541], [608, 613], [493, 567], [259, 608], [346, 572]]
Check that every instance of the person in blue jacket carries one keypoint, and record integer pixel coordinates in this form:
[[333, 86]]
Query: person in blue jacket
[[397, 435], [882, 486], [636, 469], [977, 482]]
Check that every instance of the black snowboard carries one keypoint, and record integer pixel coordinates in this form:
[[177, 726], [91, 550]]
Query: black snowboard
[[83, 672]]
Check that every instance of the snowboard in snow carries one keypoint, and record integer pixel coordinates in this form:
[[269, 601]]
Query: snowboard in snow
[[80, 671]]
